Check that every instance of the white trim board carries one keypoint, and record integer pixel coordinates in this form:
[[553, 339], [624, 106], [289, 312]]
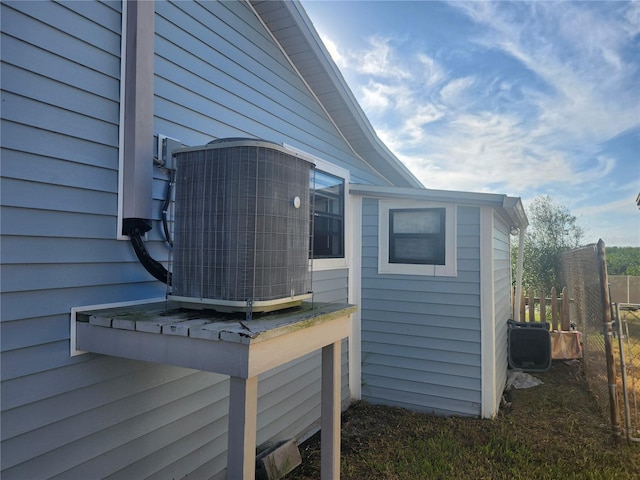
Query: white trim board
[[487, 317], [355, 298]]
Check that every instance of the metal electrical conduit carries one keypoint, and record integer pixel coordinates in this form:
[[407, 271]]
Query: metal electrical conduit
[[135, 228]]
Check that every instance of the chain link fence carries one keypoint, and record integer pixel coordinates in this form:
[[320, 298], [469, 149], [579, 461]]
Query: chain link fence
[[580, 275], [610, 336]]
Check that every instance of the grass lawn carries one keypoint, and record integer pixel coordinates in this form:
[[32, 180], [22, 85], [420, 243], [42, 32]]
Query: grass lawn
[[553, 431]]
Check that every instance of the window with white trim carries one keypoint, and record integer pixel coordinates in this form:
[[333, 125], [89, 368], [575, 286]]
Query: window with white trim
[[328, 215], [331, 194], [417, 238]]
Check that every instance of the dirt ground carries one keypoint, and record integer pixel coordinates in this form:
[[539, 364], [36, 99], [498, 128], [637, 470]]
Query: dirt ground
[[553, 431]]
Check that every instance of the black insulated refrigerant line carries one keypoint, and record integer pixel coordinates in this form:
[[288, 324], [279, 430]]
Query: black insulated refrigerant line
[[135, 228]]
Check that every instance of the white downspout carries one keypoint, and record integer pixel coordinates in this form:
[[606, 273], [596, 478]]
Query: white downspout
[[519, 267]]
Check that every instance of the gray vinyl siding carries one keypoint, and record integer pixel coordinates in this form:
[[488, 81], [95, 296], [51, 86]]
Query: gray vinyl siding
[[218, 74], [421, 335], [502, 298], [332, 286]]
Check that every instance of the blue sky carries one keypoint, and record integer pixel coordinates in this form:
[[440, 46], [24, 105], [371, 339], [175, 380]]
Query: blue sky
[[505, 97]]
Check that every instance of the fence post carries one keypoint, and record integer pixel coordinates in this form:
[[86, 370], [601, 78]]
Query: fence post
[[566, 322], [543, 305], [608, 335], [554, 309], [522, 308]]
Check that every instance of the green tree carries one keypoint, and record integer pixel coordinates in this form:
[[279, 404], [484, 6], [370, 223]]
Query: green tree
[[552, 231], [623, 261]]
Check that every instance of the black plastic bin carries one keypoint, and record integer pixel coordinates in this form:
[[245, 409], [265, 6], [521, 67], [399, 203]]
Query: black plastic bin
[[529, 346]]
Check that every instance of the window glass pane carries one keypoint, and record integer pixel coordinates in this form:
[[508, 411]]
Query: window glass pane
[[416, 236], [415, 250], [417, 221], [329, 193], [328, 218]]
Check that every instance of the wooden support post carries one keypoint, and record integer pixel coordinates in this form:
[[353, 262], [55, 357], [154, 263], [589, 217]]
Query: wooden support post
[[513, 302], [566, 321], [608, 341], [243, 410], [532, 306], [523, 318], [330, 411], [554, 309]]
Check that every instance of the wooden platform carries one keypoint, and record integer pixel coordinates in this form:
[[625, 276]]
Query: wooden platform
[[226, 343]]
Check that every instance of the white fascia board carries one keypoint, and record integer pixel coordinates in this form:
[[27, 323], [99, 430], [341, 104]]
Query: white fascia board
[[509, 208], [515, 211], [450, 196]]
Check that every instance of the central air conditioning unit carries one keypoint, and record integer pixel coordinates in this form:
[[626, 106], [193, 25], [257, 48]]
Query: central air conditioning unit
[[242, 227]]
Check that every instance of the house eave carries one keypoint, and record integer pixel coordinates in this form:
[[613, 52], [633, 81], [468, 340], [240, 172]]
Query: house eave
[[509, 208], [513, 207], [293, 30]]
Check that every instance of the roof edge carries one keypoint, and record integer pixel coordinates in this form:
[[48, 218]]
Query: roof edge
[[510, 208], [398, 172], [345, 91]]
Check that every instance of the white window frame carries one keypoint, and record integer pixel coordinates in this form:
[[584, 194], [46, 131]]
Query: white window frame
[[449, 269]]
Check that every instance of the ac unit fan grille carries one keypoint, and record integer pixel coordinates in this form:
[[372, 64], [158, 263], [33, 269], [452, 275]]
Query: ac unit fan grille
[[238, 235]]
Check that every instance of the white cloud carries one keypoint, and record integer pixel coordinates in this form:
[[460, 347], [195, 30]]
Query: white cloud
[[524, 151], [377, 97], [425, 114], [614, 218], [415, 126], [541, 130], [455, 92], [483, 151], [431, 72], [576, 51], [610, 207], [380, 60], [332, 48], [632, 17]]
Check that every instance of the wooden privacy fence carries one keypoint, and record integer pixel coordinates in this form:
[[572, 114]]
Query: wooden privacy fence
[[554, 308]]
